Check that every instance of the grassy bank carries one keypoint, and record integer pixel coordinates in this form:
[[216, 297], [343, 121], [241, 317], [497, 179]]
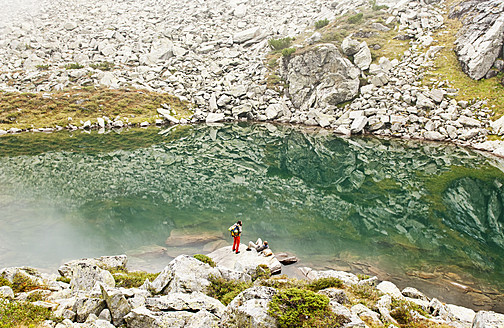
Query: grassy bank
[[28, 110]]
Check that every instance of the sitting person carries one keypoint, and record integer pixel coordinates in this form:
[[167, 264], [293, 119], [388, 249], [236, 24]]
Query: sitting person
[[259, 246]]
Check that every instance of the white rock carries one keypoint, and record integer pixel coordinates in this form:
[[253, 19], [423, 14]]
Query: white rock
[[214, 117], [390, 288], [358, 124]]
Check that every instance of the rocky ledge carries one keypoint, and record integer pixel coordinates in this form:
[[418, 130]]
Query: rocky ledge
[[84, 294]]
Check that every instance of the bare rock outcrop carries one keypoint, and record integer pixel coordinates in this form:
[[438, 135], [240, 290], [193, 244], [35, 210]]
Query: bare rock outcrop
[[320, 77], [481, 38]]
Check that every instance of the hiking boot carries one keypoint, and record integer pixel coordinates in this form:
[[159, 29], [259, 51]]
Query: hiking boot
[[237, 252], [248, 249]]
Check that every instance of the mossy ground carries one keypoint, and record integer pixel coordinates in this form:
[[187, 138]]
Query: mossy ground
[[26, 110]]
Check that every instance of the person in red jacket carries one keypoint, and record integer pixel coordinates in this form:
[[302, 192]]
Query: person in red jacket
[[236, 230]]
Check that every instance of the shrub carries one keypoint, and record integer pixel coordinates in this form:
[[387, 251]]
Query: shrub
[[23, 314], [205, 259], [224, 290], [288, 51], [63, 279], [104, 66], [4, 282], [376, 7], [365, 291], [132, 279], [74, 66], [23, 283], [262, 272], [42, 67], [321, 23], [36, 296], [354, 19], [324, 283], [279, 44], [402, 311], [295, 307]]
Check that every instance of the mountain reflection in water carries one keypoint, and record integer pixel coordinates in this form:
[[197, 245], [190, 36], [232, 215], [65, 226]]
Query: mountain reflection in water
[[405, 210]]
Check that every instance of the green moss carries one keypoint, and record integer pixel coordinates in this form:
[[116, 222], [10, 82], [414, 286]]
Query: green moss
[[4, 282], [205, 259], [42, 67], [224, 290], [36, 296], [324, 283], [104, 66], [132, 279], [302, 308], [365, 294], [23, 314], [283, 282], [403, 312]]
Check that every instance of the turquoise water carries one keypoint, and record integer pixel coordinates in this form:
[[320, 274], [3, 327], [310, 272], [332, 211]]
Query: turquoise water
[[420, 214]]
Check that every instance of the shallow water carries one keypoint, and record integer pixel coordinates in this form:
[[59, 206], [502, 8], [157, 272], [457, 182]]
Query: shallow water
[[420, 214]]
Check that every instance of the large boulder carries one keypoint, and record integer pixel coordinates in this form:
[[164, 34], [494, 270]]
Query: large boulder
[[346, 277], [482, 36], [144, 318], [104, 262], [488, 319], [184, 274], [250, 309], [246, 262], [185, 302], [320, 77], [117, 304], [85, 276]]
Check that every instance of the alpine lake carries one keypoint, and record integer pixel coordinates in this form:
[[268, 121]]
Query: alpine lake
[[425, 215]]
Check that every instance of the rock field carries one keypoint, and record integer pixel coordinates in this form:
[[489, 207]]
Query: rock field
[[212, 53]]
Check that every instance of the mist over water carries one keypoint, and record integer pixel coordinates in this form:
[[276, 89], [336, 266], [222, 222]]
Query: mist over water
[[17, 9], [401, 210]]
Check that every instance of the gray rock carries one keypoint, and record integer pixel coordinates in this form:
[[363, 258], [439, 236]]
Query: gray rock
[[389, 288], [481, 37], [250, 309], [461, 314], [424, 102], [362, 59], [214, 117], [347, 278], [189, 302], [498, 126], [413, 293], [6, 292], [83, 307], [245, 261], [144, 318], [320, 77], [350, 46], [273, 111], [488, 319], [166, 114], [117, 304], [246, 35], [184, 274], [433, 135], [366, 314], [358, 124]]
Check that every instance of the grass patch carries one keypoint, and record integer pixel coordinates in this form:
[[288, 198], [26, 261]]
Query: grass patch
[[364, 294], [42, 67], [74, 66], [104, 66], [225, 291], [321, 23], [64, 279], [354, 19], [22, 110], [23, 314], [133, 279], [262, 272], [205, 259]]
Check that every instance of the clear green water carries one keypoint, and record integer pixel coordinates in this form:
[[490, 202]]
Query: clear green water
[[420, 214]]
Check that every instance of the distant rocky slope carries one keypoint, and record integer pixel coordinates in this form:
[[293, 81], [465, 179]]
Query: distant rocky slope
[[216, 55], [84, 294]]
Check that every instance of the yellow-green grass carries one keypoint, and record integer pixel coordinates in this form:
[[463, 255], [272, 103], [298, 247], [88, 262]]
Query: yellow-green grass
[[27, 110], [447, 68]]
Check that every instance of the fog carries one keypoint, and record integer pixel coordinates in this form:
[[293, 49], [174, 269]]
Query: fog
[[11, 8]]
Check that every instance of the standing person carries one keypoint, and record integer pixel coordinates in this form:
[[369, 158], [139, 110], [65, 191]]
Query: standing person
[[236, 230]]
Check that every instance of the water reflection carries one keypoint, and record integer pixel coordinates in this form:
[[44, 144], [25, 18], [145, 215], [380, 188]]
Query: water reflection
[[414, 209]]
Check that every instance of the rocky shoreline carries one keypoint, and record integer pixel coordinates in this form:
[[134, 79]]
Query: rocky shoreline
[[84, 293], [214, 55]]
